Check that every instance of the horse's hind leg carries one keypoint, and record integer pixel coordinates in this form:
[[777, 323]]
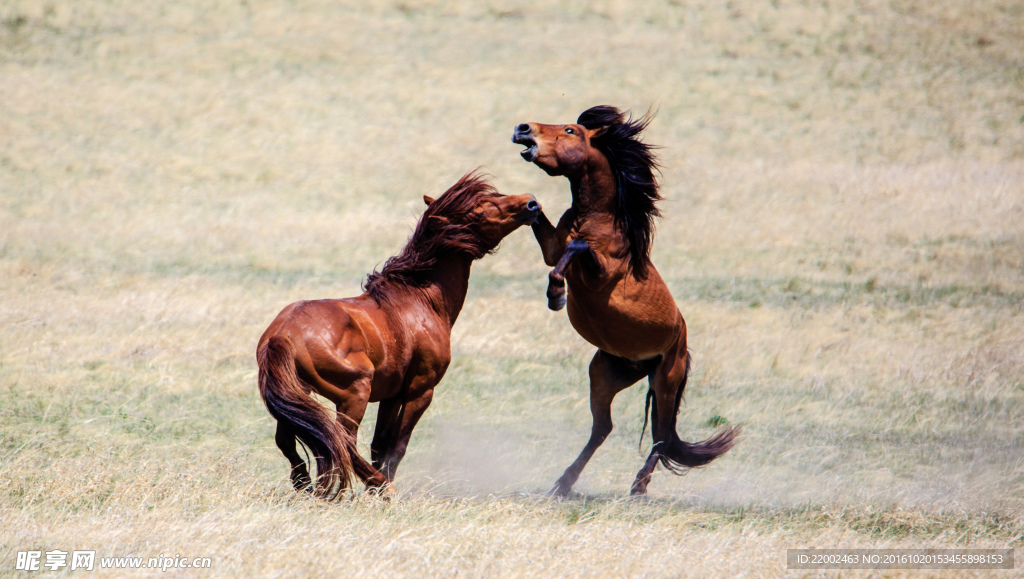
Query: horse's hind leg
[[285, 440], [609, 375], [643, 478], [346, 381], [668, 380], [350, 414]]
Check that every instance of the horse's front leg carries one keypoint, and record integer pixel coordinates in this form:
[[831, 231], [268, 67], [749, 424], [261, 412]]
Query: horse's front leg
[[550, 239], [556, 279], [385, 433], [417, 398]]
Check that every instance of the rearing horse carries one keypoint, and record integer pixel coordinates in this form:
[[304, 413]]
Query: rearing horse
[[390, 345], [616, 300]]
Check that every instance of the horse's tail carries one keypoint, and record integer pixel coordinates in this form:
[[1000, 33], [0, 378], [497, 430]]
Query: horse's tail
[[291, 404], [676, 454]]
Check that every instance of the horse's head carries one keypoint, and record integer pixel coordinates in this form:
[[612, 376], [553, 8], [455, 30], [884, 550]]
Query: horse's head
[[558, 149], [605, 143], [472, 206], [469, 219]]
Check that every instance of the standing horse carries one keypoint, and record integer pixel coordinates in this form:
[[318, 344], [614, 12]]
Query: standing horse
[[389, 345], [617, 301]]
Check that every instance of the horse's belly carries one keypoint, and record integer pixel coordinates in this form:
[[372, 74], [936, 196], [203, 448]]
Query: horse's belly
[[637, 329]]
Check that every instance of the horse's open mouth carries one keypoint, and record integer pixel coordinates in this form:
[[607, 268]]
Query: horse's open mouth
[[530, 152]]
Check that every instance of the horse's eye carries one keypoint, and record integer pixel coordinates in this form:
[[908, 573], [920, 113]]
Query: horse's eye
[[569, 131]]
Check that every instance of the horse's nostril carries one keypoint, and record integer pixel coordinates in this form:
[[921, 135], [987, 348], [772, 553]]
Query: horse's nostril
[[523, 128], [533, 206]]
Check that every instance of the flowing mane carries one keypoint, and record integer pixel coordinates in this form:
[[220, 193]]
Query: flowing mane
[[442, 229], [633, 163]]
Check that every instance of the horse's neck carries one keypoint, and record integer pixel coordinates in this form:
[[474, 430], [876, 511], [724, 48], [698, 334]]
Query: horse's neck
[[449, 282], [595, 202], [593, 191]]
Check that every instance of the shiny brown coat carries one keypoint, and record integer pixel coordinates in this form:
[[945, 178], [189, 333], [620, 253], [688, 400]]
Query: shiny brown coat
[[390, 345], [616, 299]]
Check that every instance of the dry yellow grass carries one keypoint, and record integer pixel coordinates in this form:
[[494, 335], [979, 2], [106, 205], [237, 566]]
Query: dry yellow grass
[[844, 191]]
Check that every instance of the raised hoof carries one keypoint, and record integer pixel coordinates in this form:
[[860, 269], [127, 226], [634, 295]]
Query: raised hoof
[[556, 303], [556, 291]]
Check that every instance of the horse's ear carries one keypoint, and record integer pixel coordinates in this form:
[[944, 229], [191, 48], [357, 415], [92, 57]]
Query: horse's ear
[[597, 132], [428, 199]]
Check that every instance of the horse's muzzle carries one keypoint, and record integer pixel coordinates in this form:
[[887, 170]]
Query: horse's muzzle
[[529, 217], [521, 136]]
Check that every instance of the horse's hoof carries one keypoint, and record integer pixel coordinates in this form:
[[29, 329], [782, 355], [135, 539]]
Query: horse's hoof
[[638, 490], [302, 485], [556, 303], [561, 490], [386, 492]]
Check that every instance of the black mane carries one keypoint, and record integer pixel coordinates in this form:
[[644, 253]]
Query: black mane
[[633, 163], [443, 229]]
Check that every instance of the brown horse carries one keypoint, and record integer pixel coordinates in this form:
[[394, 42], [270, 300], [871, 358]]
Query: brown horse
[[389, 345], [617, 301]]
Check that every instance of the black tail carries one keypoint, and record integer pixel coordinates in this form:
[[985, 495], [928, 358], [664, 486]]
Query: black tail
[[676, 454], [291, 404]]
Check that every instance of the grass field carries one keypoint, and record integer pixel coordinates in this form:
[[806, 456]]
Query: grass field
[[843, 230]]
